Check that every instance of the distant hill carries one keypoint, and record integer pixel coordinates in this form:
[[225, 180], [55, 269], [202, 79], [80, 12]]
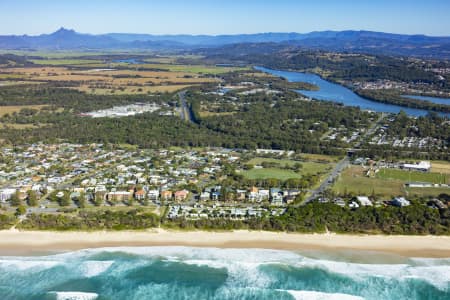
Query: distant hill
[[350, 41]]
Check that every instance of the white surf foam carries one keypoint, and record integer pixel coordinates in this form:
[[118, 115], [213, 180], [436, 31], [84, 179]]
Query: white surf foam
[[438, 276], [26, 265], [94, 268], [313, 295], [73, 295], [244, 263]]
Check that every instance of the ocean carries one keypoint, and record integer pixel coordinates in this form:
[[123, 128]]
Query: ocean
[[215, 273]]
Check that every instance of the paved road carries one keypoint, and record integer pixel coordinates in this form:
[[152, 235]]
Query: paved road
[[340, 166], [343, 164], [185, 111], [371, 130]]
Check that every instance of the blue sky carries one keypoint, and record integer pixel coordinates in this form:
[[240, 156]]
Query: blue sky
[[224, 17]]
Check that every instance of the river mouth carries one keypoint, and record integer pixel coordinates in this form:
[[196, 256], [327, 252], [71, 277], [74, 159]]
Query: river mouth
[[334, 92]]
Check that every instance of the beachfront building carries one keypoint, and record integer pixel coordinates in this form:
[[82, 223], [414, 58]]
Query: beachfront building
[[364, 200], [400, 202]]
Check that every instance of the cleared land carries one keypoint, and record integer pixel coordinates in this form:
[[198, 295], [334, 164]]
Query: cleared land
[[434, 192], [267, 173], [440, 167], [283, 174], [16, 108], [353, 180], [120, 81], [408, 176]]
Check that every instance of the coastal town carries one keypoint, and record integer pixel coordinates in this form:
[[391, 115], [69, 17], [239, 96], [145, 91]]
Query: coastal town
[[179, 183]]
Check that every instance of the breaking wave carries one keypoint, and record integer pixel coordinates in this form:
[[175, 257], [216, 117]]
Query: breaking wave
[[215, 273]]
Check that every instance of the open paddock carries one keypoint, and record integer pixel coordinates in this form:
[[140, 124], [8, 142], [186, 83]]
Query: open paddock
[[16, 108]]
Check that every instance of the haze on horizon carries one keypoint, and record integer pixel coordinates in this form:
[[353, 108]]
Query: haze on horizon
[[232, 17]]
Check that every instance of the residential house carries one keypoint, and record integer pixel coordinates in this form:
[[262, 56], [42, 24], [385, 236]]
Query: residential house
[[205, 196], [139, 195], [166, 195], [153, 195], [400, 202], [364, 201], [118, 196], [215, 195], [240, 195], [181, 195], [263, 195], [276, 196]]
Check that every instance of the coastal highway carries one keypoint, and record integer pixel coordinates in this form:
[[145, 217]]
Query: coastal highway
[[340, 166], [185, 111], [343, 164]]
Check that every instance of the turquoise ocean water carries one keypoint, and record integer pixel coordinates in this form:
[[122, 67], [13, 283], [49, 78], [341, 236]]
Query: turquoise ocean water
[[213, 273]]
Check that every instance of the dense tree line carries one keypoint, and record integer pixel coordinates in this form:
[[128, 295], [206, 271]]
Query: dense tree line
[[75, 101], [6, 221], [98, 220], [263, 122], [318, 217], [394, 97], [416, 219]]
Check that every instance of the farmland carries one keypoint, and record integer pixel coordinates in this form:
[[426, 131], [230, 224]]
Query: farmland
[[104, 73], [101, 81]]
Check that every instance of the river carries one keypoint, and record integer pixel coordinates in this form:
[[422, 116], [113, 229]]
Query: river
[[337, 93]]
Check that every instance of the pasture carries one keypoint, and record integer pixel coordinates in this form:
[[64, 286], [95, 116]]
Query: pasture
[[116, 81]]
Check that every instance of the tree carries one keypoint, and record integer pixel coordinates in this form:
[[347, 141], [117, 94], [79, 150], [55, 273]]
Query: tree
[[15, 199], [32, 198], [65, 200], [82, 200], [21, 210]]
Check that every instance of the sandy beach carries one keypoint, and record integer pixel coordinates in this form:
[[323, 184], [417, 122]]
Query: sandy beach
[[13, 242]]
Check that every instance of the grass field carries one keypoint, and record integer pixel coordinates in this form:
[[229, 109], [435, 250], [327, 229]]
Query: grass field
[[440, 167], [434, 192], [407, 176], [270, 173], [320, 157], [62, 61], [283, 174], [352, 180]]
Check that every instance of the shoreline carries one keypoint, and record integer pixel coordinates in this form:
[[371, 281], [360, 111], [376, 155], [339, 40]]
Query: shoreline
[[17, 243]]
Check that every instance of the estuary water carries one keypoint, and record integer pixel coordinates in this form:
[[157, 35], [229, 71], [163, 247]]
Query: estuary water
[[337, 93], [214, 273]]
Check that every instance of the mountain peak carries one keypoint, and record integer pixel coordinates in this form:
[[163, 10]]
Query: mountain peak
[[62, 31]]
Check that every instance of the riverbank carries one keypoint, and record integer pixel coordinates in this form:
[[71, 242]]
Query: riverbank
[[13, 242]]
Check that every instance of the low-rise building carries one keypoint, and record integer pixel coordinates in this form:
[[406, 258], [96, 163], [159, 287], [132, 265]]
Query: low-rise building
[[400, 202]]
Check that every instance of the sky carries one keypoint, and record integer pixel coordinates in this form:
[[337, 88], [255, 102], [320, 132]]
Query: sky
[[431, 17]]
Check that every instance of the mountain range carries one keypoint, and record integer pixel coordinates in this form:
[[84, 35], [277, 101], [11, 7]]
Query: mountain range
[[349, 41]]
